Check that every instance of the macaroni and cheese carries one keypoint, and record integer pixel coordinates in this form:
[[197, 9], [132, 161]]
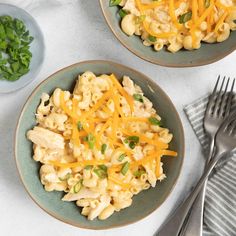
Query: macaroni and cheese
[[177, 24], [101, 144]]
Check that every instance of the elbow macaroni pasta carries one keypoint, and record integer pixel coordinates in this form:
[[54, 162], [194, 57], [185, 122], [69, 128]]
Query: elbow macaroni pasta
[[178, 24], [101, 144]]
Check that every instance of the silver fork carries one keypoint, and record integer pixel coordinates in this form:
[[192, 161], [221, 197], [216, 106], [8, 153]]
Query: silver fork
[[225, 142], [218, 108]]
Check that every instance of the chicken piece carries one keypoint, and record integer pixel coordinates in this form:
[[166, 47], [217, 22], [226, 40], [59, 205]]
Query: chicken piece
[[46, 138], [83, 193]]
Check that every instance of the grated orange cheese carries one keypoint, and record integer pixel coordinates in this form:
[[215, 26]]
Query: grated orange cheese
[[194, 10], [143, 138], [172, 14], [80, 163], [118, 86]]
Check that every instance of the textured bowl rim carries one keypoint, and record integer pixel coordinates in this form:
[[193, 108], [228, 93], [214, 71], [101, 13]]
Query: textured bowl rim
[[37, 71], [58, 217], [157, 62]]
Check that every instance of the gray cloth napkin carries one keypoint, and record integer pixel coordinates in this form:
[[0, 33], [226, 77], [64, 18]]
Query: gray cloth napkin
[[220, 201]]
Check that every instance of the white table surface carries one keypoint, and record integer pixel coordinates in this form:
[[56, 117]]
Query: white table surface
[[75, 30]]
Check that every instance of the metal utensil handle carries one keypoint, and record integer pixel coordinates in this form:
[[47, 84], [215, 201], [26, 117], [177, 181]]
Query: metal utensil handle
[[175, 222], [194, 224]]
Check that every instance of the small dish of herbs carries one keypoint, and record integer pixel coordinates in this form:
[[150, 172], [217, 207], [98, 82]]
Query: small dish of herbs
[[15, 55], [21, 48]]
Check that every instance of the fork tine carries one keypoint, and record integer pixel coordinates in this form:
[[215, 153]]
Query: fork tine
[[232, 126], [229, 100], [228, 121], [224, 99], [218, 99], [211, 101]]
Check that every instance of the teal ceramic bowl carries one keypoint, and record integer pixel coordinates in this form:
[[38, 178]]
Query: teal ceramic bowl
[[145, 202], [208, 53]]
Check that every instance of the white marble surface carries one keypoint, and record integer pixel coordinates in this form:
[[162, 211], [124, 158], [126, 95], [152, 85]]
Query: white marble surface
[[75, 30]]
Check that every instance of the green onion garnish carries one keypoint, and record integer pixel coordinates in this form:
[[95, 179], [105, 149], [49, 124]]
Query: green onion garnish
[[77, 187], [138, 97], [79, 126], [103, 167], [90, 139], [185, 17], [88, 167], [66, 177], [15, 55], [114, 3], [138, 173], [103, 148], [132, 145], [207, 3], [121, 157], [122, 13], [154, 121], [132, 141], [101, 171], [140, 19], [125, 168], [135, 139], [152, 38]]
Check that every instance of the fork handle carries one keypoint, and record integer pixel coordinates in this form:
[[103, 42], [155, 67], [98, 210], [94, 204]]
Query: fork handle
[[193, 225], [174, 223]]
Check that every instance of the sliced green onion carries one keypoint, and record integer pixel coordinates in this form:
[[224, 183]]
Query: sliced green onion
[[185, 17], [126, 141], [122, 13], [103, 148], [154, 121], [138, 97], [103, 167], [132, 145], [79, 126], [138, 173], [114, 3], [121, 157], [91, 140], [88, 167], [125, 168], [66, 177], [101, 171], [140, 19], [133, 138], [152, 38], [207, 3], [77, 187]]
